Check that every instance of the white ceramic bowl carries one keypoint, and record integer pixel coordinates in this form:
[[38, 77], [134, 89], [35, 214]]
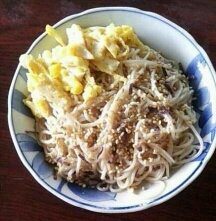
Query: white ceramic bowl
[[162, 35]]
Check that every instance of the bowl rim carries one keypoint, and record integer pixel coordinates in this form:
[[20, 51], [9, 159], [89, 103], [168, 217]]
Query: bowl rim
[[12, 131]]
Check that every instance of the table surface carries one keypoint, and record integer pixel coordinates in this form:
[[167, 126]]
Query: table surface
[[21, 197]]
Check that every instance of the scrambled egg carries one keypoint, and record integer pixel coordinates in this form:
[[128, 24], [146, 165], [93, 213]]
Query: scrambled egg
[[57, 75]]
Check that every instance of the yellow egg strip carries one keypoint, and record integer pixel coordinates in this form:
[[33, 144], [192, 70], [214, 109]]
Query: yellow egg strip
[[67, 68]]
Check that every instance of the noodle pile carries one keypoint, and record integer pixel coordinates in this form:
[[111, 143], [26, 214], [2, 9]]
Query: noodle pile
[[115, 114]]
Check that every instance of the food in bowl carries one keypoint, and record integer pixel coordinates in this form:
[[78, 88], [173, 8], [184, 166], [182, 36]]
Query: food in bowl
[[110, 111]]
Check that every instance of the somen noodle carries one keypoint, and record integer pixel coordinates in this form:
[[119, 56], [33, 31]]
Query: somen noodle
[[135, 128]]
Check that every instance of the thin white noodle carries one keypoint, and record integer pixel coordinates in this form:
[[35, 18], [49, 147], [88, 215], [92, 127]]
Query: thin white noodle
[[200, 147], [133, 131]]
